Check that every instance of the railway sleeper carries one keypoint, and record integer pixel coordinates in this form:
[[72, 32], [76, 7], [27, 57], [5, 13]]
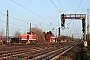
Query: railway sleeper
[[53, 54]]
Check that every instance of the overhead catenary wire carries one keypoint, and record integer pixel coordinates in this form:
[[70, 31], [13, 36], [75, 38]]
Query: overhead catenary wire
[[78, 6], [41, 11], [77, 9], [19, 24], [61, 6], [32, 11], [14, 18], [19, 20], [75, 30], [13, 23], [22, 14], [29, 10], [55, 6], [19, 13]]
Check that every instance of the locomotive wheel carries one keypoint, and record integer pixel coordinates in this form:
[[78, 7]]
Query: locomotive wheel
[[33, 42]]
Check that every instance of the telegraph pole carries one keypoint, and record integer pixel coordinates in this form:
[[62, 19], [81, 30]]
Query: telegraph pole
[[59, 35], [88, 26], [7, 28], [30, 27]]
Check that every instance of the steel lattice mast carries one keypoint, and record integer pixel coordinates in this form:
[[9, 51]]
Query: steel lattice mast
[[7, 28]]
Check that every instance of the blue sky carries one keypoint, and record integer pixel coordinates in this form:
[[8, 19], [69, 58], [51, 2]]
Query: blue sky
[[42, 14]]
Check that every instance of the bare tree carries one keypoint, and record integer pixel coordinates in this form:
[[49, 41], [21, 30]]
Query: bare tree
[[39, 34], [1, 34], [17, 34]]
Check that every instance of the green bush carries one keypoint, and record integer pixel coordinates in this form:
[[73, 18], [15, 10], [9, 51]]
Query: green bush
[[87, 54]]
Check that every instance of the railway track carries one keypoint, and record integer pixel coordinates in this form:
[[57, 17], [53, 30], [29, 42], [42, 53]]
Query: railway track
[[35, 53], [53, 55]]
